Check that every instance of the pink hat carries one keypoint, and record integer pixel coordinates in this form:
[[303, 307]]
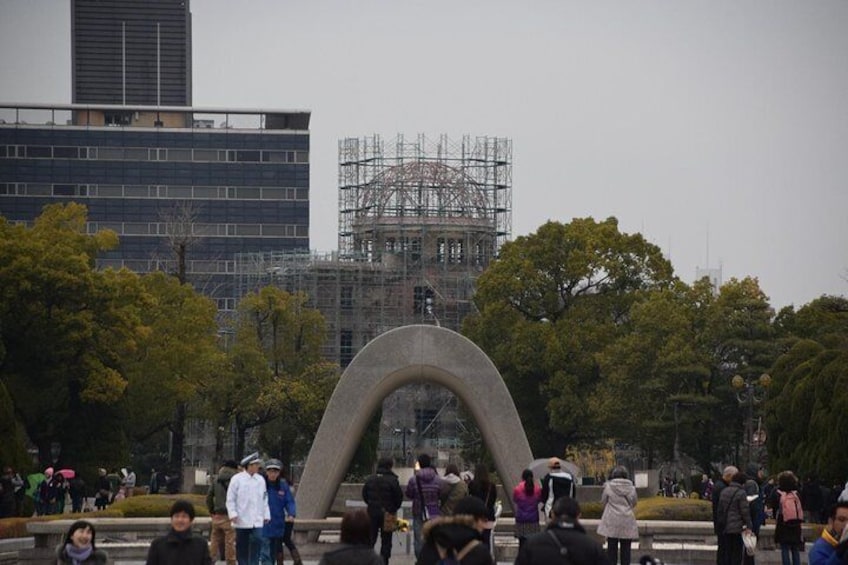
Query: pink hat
[[48, 471]]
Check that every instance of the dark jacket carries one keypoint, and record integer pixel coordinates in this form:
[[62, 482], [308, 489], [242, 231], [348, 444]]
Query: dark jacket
[[98, 556], [453, 533], [179, 549], [351, 555], [733, 511], [216, 497], [556, 484], [381, 492], [541, 549], [281, 504], [784, 533], [487, 492]]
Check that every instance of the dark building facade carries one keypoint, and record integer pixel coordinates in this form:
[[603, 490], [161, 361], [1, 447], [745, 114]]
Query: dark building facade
[[225, 189], [131, 52]]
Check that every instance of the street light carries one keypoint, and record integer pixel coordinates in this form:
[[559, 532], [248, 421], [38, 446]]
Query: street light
[[404, 431], [748, 393]]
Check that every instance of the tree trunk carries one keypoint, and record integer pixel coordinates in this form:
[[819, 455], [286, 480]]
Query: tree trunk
[[241, 434], [178, 442]]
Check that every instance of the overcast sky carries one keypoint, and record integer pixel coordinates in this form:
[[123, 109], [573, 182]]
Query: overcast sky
[[718, 129]]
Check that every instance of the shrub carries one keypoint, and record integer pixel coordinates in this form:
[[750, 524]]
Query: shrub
[[157, 505], [659, 508], [677, 509]]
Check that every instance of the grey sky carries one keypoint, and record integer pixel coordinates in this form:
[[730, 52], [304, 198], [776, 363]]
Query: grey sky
[[687, 120]]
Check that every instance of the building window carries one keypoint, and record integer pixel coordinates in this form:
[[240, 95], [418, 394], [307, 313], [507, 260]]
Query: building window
[[118, 118], [345, 347], [346, 298]]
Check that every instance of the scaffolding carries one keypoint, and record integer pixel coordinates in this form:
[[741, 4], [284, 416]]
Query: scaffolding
[[418, 223]]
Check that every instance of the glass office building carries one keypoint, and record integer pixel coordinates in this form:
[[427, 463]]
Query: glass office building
[[220, 181]]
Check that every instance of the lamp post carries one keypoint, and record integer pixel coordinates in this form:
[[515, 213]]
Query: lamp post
[[403, 432], [748, 393]]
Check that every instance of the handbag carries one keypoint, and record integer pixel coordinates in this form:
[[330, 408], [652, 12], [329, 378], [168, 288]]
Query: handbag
[[749, 540], [389, 522]]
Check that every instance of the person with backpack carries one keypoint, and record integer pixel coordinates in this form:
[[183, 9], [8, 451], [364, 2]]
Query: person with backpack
[[564, 542], [457, 539], [221, 534], [381, 493], [786, 505], [733, 517], [453, 489]]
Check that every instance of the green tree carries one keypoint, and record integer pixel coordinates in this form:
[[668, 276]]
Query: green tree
[[175, 357], [806, 412], [657, 362], [65, 329], [287, 394], [550, 303]]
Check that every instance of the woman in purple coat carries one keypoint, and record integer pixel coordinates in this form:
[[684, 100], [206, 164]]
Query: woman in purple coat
[[526, 497]]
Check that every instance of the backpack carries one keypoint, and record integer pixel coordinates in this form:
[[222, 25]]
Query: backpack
[[790, 507], [452, 557]]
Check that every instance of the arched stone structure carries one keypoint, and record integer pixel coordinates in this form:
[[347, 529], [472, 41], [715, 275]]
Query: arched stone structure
[[398, 357]]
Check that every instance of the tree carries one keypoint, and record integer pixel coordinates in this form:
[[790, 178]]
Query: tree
[[176, 356], [278, 379], [806, 412], [656, 361], [65, 330], [550, 303]]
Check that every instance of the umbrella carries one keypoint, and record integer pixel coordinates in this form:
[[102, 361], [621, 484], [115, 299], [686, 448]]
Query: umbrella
[[540, 468], [33, 481], [67, 473]]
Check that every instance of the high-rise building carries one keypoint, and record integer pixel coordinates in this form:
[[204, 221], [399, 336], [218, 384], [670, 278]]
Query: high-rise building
[[185, 188], [131, 52], [211, 183]]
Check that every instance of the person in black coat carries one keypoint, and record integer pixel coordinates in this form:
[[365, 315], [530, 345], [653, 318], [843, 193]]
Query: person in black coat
[[382, 493], [564, 537], [179, 546], [458, 536]]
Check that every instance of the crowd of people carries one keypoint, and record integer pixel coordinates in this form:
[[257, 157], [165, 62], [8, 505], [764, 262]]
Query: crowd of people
[[252, 508], [742, 501], [58, 491]]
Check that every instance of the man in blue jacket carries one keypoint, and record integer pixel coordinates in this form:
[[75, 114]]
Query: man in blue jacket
[[832, 546], [282, 507]]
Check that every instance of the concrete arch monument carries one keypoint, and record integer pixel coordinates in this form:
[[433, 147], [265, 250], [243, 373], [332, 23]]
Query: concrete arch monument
[[398, 357]]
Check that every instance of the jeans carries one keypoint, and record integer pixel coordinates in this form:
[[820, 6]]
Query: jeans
[[271, 547], [248, 545], [613, 545], [417, 524], [786, 550]]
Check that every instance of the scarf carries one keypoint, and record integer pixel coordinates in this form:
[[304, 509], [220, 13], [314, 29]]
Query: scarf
[[78, 554]]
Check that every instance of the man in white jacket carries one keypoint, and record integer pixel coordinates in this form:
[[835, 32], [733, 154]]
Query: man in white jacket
[[247, 507]]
